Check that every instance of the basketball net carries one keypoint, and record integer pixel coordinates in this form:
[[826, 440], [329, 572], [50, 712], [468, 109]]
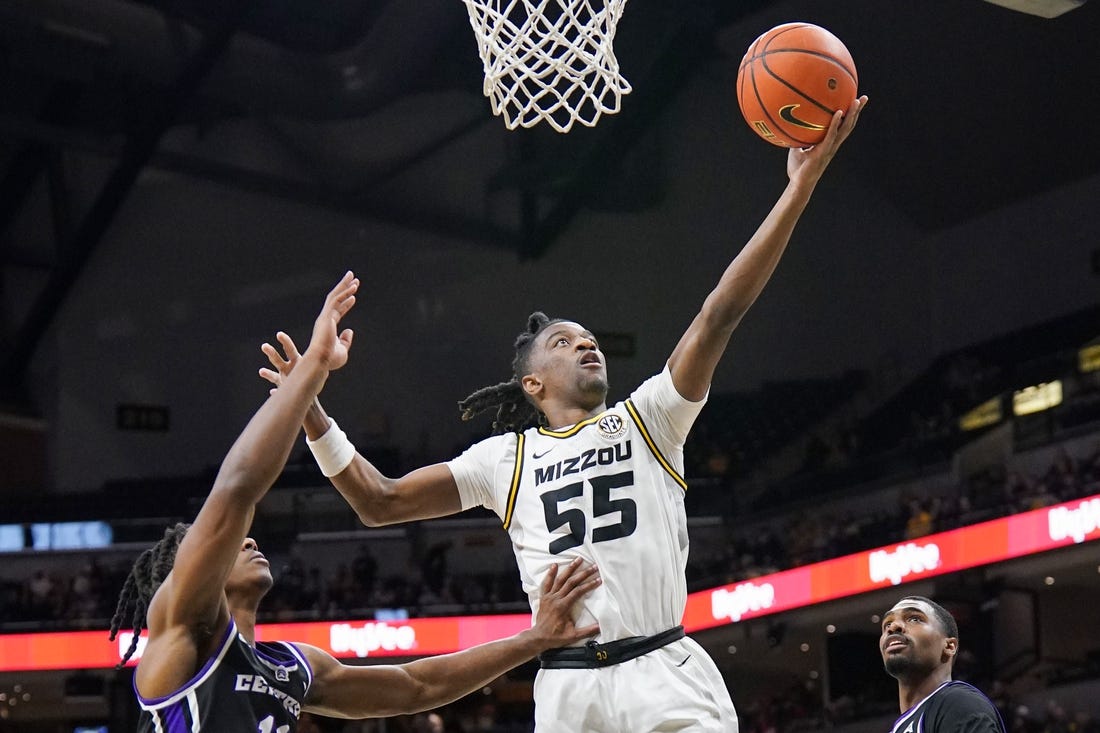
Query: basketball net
[[540, 67]]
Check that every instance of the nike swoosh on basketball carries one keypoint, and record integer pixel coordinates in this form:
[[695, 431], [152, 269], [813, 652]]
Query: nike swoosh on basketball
[[787, 113], [537, 456]]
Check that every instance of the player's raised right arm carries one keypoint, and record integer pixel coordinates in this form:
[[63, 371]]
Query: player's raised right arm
[[696, 356], [377, 499]]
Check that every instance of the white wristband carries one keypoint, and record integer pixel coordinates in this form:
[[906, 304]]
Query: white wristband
[[333, 451]]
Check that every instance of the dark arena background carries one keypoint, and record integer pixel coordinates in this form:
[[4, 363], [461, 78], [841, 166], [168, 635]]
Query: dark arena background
[[912, 406]]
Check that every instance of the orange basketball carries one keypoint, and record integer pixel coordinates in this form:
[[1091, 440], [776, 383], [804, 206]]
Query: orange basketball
[[791, 81]]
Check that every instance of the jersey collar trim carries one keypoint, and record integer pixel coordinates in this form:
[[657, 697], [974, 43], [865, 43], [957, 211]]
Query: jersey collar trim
[[573, 430], [908, 713], [200, 677]]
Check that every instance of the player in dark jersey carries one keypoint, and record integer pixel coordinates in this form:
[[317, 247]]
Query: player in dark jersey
[[198, 590], [919, 642]]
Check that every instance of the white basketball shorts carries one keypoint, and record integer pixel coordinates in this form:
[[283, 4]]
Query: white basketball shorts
[[674, 688]]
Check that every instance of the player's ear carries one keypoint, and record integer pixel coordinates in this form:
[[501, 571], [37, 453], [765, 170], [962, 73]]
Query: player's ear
[[950, 648], [531, 384]]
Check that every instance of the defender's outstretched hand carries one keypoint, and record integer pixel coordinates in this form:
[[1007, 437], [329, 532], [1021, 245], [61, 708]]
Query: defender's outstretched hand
[[807, 164], [328, 344], [562, 588]]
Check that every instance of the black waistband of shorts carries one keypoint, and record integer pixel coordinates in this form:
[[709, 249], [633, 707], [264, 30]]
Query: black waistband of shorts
[[593, 654]]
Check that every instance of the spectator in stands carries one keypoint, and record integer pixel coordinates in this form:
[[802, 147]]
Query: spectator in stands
[[921, 518], [1090, 472], [41, 595], [341, 590], [1062, 477], [428, 723], [364, 568], [83, 600], [434, 566], [1019, 491]]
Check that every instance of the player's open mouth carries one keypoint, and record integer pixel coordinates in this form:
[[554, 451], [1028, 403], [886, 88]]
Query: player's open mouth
[[895, 645]]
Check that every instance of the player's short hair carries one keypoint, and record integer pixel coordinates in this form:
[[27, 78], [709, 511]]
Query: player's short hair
[[946, 621], [515, 412], [148, 572]]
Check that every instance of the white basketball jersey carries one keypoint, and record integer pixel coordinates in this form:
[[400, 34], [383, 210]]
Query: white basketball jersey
[[609, 489]]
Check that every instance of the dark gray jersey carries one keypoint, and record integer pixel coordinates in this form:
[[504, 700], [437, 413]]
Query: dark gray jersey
[[241, 689], [953, 707]]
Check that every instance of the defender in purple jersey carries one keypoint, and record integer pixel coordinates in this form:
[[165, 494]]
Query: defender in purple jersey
[[198, 589], [919, 643]]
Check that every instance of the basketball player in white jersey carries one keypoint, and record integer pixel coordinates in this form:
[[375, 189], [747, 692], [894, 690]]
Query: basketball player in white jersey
[[570, 477]]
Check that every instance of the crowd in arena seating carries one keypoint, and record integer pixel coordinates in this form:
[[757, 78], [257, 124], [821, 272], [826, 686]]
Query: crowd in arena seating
[[358, 587], [739, 430], [1051, 718], [86, 596], [810, 537]]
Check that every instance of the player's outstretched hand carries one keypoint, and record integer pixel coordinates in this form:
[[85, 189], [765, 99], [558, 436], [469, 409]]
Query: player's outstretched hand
[[330, 345], [809, 163], [327, 343], [562, 587]]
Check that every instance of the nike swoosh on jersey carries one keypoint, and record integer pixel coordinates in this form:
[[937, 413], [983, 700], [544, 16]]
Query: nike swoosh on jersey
[[537, 456]]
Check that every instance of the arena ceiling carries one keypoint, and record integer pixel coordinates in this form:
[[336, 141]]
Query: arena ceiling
[[976, 107]]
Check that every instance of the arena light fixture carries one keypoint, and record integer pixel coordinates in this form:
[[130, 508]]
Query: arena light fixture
[[1041, 8]]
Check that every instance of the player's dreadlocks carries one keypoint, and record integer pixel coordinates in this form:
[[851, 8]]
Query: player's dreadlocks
[[514, 411], [149, 571]]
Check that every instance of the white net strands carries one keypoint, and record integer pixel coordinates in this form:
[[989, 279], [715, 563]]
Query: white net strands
[[549, 60]]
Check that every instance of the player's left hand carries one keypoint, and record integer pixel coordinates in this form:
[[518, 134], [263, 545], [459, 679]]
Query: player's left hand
[[562, 587], [809, 163]]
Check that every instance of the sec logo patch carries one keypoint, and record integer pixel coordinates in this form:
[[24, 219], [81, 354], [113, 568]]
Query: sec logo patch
[[612, 426]]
